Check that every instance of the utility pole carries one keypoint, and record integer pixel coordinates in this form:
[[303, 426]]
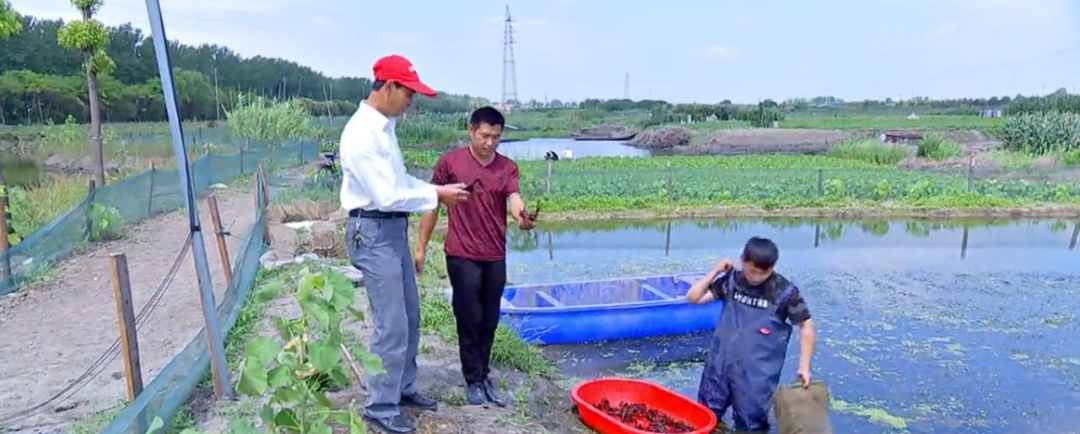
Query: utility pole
[[217, 100], [509, 78]]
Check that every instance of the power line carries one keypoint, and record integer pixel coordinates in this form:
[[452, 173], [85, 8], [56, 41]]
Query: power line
[[509, 78]]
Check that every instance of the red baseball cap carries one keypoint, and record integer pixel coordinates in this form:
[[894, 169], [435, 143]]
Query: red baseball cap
[[400, 69]]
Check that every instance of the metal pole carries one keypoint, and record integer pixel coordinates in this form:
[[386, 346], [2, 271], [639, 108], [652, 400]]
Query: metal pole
[[202, 265]]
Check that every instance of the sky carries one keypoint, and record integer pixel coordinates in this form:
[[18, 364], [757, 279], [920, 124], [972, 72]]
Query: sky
[[677, 50]]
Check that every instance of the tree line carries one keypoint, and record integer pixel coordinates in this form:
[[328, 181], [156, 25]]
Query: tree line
[[1059, 101], [42, 81]]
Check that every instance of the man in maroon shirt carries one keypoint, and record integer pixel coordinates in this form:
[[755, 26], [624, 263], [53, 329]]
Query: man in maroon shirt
[[476, 245]]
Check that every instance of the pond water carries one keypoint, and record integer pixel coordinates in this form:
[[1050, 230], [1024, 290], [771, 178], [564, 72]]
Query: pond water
[[20, 172], [534, 149], [923, 326]]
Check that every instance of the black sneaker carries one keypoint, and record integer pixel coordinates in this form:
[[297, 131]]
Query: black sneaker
[[416, 400], [491, 393], [399, 424], [474, 393]]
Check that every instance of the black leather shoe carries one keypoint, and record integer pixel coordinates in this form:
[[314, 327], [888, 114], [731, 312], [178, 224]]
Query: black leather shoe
[[416, 400], [474, 394], [399, 424], [492, 394]]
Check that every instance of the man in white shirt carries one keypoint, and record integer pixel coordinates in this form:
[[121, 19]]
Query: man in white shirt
[[379, 195]]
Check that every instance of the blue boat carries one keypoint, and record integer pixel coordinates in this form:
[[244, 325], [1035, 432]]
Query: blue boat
[[609, 309]]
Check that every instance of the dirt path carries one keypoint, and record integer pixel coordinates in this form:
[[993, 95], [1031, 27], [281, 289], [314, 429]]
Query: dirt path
[[54, 330]]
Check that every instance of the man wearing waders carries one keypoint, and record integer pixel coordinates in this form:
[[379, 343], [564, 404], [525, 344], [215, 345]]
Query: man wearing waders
[[379, 194], [747, 351]]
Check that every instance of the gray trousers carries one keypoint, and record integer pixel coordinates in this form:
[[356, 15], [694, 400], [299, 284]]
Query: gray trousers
[[380, 249]]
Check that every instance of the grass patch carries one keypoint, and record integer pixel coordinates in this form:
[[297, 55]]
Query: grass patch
[[96, 421], [870, 151], [1070, 158], [45, 201], [936, 147]]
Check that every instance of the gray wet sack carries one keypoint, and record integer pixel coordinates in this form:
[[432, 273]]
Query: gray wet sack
[[802, 410]]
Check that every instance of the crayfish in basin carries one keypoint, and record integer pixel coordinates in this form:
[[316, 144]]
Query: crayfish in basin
[[641, 417]]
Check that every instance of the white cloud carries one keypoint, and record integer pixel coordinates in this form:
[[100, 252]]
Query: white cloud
[[722, 51]]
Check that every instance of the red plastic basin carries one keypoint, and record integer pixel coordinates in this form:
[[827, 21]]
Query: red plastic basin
[[618, 390]]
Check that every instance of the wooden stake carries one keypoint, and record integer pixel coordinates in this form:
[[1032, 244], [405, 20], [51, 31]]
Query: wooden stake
[[89, 206], [125, 315], [150, 194], [220, 233], [5, 243]]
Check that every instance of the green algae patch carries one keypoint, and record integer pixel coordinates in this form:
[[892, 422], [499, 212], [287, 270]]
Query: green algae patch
[[877, 416]]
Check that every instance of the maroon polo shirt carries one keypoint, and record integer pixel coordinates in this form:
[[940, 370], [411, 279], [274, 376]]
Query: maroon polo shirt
[[477, 228]]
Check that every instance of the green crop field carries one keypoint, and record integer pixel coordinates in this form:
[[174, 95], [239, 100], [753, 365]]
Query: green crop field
[[777, 181]]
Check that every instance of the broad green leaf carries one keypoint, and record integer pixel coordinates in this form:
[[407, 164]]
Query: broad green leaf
[[253, 381], [155, 425], [262, 350], [319, 428], [340, 376], [280, 376], [322, 399], [286, 418], [266, 413], [288, 394], [342, 290], [307, 285], [287, 359], [317, 311], [370, 362], [324, 357]]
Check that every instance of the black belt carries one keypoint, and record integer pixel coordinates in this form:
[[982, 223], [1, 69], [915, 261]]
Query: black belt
[[373, 214]]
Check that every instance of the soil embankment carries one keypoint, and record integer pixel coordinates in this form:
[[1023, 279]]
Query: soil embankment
[[681, 140], [606, 132]]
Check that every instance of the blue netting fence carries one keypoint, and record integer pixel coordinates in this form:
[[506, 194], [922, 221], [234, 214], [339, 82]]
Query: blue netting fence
[[170, 389], [140, 197]]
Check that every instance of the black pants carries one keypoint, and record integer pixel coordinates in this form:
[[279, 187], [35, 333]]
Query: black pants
[[478, 289]]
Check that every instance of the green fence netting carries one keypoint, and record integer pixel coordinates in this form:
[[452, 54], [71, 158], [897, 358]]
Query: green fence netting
[[166, 394], [142, 196]]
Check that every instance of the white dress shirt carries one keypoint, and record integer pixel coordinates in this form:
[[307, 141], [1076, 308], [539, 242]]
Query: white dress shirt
[[374, 171]]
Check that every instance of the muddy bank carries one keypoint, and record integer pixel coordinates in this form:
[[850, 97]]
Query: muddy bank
[[681, 140], [606, 132]]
